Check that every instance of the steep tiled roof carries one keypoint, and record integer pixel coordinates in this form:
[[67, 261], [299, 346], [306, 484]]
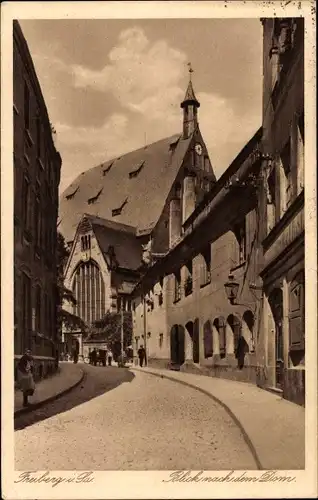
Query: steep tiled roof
[[121, 237], [131, 189]]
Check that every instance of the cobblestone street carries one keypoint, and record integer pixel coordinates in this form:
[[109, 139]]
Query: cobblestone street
[[119, 420]]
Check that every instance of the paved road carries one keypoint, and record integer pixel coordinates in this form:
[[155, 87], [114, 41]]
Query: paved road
[[144, 423]]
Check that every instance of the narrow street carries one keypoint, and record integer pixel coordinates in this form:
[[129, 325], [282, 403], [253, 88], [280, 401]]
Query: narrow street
[[117, 419]]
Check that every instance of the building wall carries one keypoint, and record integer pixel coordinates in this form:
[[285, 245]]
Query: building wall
[[200, 309], [36, 178], [282, 336]]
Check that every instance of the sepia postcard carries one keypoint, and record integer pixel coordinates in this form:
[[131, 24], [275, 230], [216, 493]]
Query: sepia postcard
[[159, 250]]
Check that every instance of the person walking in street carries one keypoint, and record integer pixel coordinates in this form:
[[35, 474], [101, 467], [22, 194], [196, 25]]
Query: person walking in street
[[94, 356], [109, 358], [25, 376], [141, 355]]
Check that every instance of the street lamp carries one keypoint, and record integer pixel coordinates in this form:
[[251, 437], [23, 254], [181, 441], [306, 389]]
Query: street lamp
[[231, 289]]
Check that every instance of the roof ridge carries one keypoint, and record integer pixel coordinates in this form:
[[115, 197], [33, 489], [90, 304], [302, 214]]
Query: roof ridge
[[110, 223]]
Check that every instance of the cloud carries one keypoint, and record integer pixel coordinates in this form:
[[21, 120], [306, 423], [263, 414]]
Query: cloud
[[140, 73], [148, 81]]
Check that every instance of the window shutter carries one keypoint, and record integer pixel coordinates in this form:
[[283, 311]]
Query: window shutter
[[297, 313]]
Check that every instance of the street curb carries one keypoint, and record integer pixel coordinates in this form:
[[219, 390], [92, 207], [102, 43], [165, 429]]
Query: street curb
[[35, 406], [246, 437]]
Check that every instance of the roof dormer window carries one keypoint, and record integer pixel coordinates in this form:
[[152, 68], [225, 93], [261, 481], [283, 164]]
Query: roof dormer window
[[92, 200], [173, 144], [107, 169], [71, 195], [117, 211], [135, 172]]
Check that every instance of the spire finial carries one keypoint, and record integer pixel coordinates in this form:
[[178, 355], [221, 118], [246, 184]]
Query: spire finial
[[190, 70]]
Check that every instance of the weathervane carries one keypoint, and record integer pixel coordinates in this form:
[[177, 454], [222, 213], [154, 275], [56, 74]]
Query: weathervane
[[190, 70]]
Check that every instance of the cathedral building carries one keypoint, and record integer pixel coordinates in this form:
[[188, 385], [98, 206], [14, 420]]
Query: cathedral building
[[118, 216], [37, 167]]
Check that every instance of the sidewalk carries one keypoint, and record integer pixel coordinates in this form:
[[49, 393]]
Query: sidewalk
[[68, 377], [273, 428]]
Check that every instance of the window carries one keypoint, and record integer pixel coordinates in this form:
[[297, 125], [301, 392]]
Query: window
[[92, 200], [188, 284], [38, 138], [286, 180], [26, 309], [89, 291], [26, 202], [271, 200], [26, 106], [37, 221], [135, 172], [160, 298], [107, 169], [71, 195], [86, 242], [206, 164], [173, 145], [160, 340], [206, 266], [297, 315], [240, 234], [117, 211], [38, 323], [300, 153], [177, 286]]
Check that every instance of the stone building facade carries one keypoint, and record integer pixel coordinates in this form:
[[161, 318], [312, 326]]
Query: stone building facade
[[281, 266], [37, 167], [181, 312]]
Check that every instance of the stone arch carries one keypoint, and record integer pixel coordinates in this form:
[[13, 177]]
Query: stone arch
[[177, 344], [233, 333], [194, 334], [248, 322], [219, 328], [208, 339]]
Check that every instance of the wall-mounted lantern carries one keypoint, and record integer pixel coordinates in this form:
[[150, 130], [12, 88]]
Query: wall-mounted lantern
[[231, 289]]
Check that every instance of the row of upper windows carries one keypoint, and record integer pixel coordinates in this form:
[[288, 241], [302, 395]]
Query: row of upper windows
[[35, 216], [285, 179]]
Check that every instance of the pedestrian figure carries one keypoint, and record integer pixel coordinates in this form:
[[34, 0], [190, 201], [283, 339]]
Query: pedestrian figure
[[25, 376], [75, 356], [109, 358], [242, 349], [141, 355], [94, 356]]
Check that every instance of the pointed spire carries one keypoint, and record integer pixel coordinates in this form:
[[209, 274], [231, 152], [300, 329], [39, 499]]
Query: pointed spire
[[190, 96]]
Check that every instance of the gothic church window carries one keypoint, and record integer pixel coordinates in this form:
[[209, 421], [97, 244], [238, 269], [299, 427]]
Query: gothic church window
[[89, 291]]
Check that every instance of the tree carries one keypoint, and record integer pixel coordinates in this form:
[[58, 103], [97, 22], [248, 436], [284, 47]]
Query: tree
[[69, 321], [109, 329]]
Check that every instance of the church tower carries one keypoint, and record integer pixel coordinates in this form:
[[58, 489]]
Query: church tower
[[190, 106]]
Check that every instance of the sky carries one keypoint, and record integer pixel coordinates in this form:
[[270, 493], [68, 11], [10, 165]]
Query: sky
[[112, 86]]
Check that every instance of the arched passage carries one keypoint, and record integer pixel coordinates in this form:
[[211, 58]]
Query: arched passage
[[208, 339], [233, 331], [177, 344], [275, 300], [219, 326], [192, 328]]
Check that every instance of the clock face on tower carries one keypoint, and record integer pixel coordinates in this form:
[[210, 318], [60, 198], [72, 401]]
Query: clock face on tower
[[198, 149]]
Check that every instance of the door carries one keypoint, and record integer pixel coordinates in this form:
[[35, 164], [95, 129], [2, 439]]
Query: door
[[277, 310]]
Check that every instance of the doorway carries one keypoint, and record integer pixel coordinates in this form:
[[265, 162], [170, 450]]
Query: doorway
[[276, 304]]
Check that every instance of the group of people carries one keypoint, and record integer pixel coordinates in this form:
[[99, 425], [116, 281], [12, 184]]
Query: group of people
[[95, 357]]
